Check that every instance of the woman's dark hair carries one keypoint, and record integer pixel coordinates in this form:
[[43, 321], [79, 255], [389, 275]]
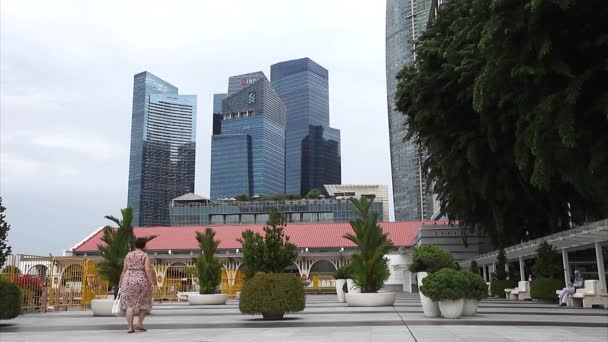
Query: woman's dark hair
[[140, 243]]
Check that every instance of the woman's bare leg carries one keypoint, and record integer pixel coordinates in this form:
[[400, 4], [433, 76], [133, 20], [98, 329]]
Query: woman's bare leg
[[130, 319], [142, 315]]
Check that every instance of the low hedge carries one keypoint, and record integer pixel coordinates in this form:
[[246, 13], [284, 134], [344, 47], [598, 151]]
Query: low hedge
[[477, 287], [272, 294], [10, 299], [445, 284], [497, 288], [544, 288]]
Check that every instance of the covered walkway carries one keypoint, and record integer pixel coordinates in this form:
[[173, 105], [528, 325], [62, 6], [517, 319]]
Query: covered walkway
[[591, 236]]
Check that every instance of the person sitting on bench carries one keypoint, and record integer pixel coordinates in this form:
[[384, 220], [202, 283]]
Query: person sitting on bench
[[567, 291]]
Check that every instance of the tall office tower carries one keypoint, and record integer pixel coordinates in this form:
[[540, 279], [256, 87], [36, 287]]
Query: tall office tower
[[312, 147], [248, 144], [163, 148], [405, 21], [236, 83]]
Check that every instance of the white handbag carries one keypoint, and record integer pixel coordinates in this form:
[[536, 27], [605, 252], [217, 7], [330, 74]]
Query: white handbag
[[116, 311]]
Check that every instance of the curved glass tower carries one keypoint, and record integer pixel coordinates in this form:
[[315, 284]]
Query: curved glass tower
[[163, 145], [405, 21]]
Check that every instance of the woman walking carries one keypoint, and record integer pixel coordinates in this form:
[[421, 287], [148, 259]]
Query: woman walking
[[136, 284]]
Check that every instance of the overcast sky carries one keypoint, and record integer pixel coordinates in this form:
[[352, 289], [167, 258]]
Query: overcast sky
[[67, 81]]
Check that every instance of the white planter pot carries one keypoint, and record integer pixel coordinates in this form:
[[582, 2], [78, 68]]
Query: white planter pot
[[339, 290], [371, 299], [207, 299], [470, 307], [430, 308], [451, 308], [102, 307], [352, 288]]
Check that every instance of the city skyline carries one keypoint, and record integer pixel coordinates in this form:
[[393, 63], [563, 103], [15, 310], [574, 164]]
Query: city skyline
[[66, 95]]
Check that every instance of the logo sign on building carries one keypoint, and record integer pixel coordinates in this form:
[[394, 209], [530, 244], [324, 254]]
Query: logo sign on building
[[246, 81], [251, 98]]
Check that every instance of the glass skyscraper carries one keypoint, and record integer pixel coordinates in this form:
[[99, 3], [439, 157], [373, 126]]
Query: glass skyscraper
[[405, 21], [248, 142], [312, 147], [163, 148]]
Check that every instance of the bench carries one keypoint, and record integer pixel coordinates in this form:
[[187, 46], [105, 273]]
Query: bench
[[588, 296], [521, 292], [184, 295]]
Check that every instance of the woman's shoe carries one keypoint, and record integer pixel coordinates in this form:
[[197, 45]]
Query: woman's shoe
[[140, 329], [131, 331], [562, 304]]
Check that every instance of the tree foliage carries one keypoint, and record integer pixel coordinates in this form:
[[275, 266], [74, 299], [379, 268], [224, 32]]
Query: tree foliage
[[431, 258], [369, 266], [270, 253], [547, 262], [118, 242], [501, 263], [511, 119], [208, 266], [5, 249]]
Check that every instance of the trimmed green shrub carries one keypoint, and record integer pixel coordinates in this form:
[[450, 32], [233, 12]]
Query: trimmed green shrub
[[430, 258], [10, 303], [501, 262], [272, 295], [477, 287], [547, 263], [544, 288], [343, 272], [474, 267], [445, 284], [497, 288]]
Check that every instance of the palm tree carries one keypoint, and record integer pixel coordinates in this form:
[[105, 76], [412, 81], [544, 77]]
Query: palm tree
[[118, 243], [208, 266], [369, 266]]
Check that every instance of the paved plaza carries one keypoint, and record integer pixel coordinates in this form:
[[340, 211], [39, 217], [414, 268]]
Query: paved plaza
[[323, 320]]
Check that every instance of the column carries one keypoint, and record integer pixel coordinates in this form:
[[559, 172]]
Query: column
[[522, 273], [485, 272], [566, 266], [600, 265]]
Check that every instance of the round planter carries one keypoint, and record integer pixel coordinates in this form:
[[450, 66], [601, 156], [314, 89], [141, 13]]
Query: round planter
[[352, 288], [470, 307], [339, 290], [451, 308], [102, 307], [371, 299], [430, 308], [207, 299], [273, 316]]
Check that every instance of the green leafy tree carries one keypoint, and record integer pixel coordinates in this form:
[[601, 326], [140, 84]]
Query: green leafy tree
[[118, 242], [431, 258], [5, 249], [313, 194], [242, 197], [270, 253], [209, 268], [512, 128], [369, 266], [547, 262], [501, 262], [474, 267]]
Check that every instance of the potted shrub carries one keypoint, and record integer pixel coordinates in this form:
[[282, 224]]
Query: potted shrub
[[341, 274], [266, 290], [547, 268], [446, 287], [209, 271], [117, 244], [476, 290], [427, 259], [369, 266]]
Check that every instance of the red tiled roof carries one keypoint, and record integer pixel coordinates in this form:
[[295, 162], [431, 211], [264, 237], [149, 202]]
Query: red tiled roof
[[315, 235]]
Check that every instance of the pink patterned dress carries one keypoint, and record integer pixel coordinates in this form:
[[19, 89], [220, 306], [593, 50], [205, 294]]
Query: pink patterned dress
[[135, 290]]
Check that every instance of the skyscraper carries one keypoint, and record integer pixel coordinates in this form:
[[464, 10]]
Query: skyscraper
[[163, 148], [312, 146], [248, 143], [405, 21]]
